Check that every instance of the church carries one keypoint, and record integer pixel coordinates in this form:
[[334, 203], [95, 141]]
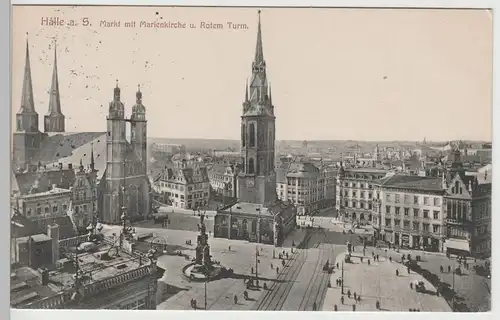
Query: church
[[258, 216], [118, 166]]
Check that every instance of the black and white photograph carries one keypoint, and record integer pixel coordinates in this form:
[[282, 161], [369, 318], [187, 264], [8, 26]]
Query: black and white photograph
[[251, 159]]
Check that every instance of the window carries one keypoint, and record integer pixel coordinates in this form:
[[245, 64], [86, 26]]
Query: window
[[435, 228], [85, 207], [388, 197], [369, 206], [425, 227], [407, 211], [435, 214], [362, 186], [361, 205], [346, 204], [426, 201], [354, 193], [345, 193], [388, 209], [54, 209], [47, 209], [251, 169], [39, 210], [397, 210], [362, 195], [29, 212], [397, 223], [388, 222], [415, 199], [415, 225], [415, 212], [406, 224], [369, 195], [397, 198], [243, 134], [406, 198], [251, 133], [426, 214], [436, 202]]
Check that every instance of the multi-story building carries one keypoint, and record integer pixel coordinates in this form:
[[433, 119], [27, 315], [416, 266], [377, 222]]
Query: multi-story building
[[110, 276], [309, 187], [122, 178], [354, 192], [258, 215], [184, 186], [467, 205], [223, 179], [408, 211], [168, 148]]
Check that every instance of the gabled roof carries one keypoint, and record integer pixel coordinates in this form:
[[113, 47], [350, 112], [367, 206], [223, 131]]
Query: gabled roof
[[61, 145], [411, 182], [44, 179], [303, 170]]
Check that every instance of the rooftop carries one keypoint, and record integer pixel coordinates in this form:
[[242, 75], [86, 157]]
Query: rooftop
[[412, 182], [249, 208], [53, 191], [96, 269]]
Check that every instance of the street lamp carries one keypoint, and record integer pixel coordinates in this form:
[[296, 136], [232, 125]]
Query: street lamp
[[206, 281], [256, 266], [342, 283]]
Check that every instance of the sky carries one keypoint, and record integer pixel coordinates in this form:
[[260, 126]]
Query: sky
[[336, 74]]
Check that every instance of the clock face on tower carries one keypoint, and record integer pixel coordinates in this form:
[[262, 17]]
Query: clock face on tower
[[250, 183]]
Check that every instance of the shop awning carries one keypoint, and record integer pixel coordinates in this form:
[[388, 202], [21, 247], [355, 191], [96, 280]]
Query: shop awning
[[462, 245]]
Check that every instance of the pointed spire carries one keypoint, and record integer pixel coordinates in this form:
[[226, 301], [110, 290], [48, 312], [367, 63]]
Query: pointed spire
[[92, 163], [138, 95], [54, 100], [117, 92], [259, 52], [27, 99]]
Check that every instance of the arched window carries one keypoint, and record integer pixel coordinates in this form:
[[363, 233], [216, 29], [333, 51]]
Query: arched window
[[252, 135], [254, 226], [251, 169], [243, 134]]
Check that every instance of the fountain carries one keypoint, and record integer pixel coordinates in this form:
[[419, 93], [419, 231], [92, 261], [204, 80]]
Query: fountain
[[203, 268]]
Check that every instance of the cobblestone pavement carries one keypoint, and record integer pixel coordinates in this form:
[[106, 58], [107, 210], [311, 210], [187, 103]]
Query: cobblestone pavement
[[303, 282], [220, 293], [378, 281], [472, 288]]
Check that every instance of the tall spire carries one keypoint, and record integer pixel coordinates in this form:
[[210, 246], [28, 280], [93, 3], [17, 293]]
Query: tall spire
[[259, 52], [55, 100], [27, 100], [138, 94]]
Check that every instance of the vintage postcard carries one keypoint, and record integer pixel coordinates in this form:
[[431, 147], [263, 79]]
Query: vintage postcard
[[216, 158]]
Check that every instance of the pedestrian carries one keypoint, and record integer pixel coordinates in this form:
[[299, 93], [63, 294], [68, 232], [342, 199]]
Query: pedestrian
[[377, 305], [361, 259], [279, 256], [314, 306], [335, 308], [265, 286], [277, 270], [272, 267], [368, 261], [235, 299], [251, 270], [342, 299], [337, 265], [397, 272], [359, 298], [411, 285], [283, 262], [408, 269], [354, 296], [245, 295], [449, 269], [229, 248], [349, 294], [287, 255], [353, 307], [441, 269], [390, 259]]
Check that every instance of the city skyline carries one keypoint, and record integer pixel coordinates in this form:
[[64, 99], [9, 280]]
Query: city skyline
[[178, 81]]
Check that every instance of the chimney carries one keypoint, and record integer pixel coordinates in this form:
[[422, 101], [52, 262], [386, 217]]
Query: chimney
[[70, 166], [53, 232]]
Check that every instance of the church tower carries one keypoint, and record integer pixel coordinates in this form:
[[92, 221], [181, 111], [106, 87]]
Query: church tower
[[257, 179], [27, 138], [138, 130], [116, 144], [54, 119]]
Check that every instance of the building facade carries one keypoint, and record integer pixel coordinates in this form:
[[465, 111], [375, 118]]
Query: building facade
[[310, 187], [125, 182], [354, 193], [184, 186], [467, 205], [224, 179], [408, 211]]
